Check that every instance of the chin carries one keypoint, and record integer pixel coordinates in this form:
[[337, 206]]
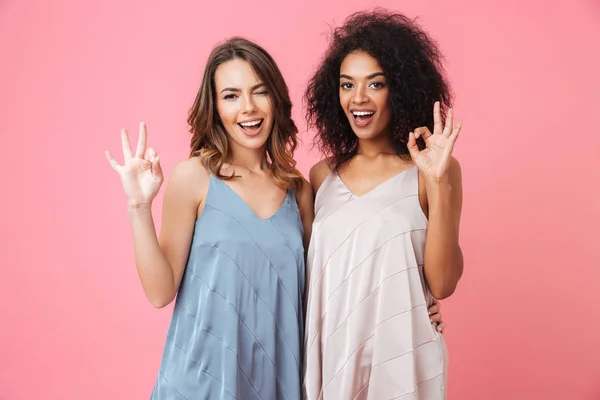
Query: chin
[[254, 142], [365, 134]]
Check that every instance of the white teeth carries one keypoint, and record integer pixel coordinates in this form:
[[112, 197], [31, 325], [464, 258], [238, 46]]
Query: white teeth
[[362, 113], [253, 123]]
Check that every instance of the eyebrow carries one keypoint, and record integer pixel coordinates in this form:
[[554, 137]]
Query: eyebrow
[[368, 77], [236, 90]]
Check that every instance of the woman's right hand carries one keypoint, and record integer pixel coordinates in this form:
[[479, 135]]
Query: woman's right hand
[[140, 174]]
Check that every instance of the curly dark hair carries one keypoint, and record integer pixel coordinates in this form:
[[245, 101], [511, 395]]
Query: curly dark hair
[[412, 64]]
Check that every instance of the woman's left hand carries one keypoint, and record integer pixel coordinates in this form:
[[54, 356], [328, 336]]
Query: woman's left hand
[[435, 316], [434, 160]]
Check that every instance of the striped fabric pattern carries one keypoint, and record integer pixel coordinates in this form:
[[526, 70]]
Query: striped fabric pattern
[[368, 334], [237, 326]]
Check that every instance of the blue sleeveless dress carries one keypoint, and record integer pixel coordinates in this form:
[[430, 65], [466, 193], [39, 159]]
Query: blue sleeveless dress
[[237, 326]]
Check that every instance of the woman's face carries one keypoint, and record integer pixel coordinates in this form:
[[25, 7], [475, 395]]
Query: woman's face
[[243, 104], [364, 95]]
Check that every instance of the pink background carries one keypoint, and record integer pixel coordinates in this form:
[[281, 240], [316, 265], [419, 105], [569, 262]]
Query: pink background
[[74, 323]]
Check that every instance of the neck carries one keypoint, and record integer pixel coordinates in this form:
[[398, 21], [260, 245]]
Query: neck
[[251, 159], [381, 144]]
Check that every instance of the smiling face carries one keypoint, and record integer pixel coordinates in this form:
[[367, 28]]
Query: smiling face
[[243, 104], [364, 95]]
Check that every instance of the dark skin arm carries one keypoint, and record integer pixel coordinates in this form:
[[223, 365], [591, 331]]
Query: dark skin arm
[[440, 175]]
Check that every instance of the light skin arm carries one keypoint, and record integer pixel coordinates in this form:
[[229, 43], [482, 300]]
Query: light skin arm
[[161, 260], [160, 263]]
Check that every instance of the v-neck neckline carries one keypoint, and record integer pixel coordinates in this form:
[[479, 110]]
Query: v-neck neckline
[[391, 178], [240, 198]]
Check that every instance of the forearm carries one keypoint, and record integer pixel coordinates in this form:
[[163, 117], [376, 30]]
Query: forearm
[[443, 256], [153, 267]]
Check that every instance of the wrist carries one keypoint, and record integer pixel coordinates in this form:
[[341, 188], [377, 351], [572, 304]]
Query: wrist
[[439, 185], [136, 207], [438, 193]]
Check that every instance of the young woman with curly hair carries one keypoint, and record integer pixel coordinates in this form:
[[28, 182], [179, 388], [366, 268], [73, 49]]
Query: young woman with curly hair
[[385, 239]]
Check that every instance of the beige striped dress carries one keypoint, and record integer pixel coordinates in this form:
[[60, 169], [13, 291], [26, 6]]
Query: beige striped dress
[[368, 334]]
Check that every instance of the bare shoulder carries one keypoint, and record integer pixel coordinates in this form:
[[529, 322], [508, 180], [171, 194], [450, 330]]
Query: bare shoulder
[[191, 167], [189, 178], [455, 174], [455, 168], [318, 173]]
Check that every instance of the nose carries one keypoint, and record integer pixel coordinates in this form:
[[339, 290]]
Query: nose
[[359, 95], [248, 105]]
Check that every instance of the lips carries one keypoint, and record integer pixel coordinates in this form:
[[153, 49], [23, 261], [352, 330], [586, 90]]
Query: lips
[[362, 118], [251, 127]]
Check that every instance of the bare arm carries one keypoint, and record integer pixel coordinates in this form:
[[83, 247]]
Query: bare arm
[[160, 263], [442, 179], [443, 255]]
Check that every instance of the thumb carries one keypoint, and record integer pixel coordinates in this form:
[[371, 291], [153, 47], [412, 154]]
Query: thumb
[[412, 146], [156, 169]]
